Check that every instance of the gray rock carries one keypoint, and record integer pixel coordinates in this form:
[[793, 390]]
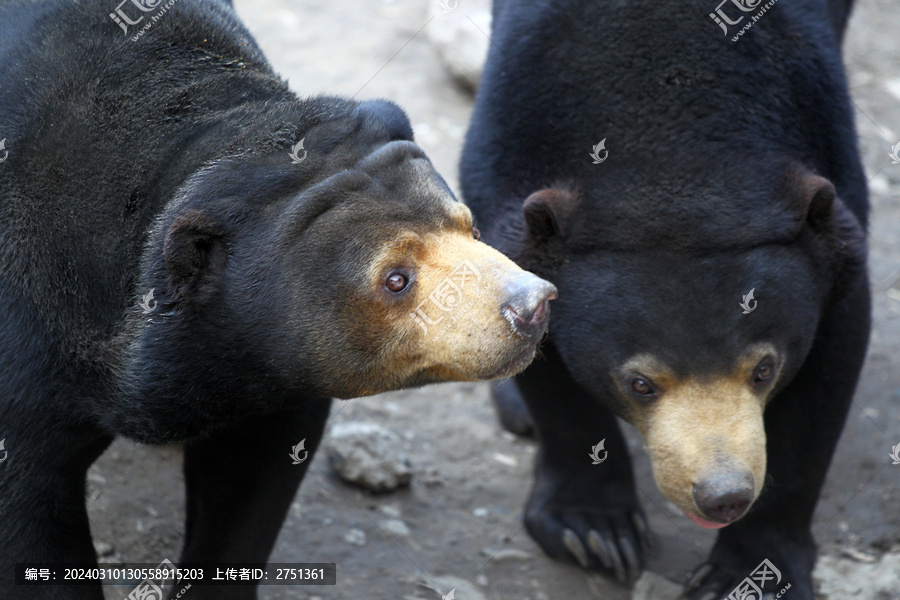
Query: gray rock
[[840, 578], [368, 455], [357, 537], [511, 554], [651, 586], [460, 36], [395, 527], [103, 549]]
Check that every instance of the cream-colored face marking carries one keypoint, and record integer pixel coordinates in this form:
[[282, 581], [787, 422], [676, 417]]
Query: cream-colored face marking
[[698, 426], [449, 326]]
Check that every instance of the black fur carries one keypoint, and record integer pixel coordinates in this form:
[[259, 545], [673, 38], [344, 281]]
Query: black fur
[[162, 163], [702, 197]]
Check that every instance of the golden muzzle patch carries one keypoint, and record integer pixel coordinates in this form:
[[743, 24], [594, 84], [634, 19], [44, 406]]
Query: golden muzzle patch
[[707, 444], [470, 313], [477, 315]]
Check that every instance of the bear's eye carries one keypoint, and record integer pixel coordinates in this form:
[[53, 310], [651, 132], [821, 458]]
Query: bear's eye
[[642, 387], [762, 373], [476, 234], [396, 282]]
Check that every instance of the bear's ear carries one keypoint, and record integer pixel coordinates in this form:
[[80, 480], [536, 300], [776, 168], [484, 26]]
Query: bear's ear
[[387, 115], [546, 212], [817, 195], [194, 251]]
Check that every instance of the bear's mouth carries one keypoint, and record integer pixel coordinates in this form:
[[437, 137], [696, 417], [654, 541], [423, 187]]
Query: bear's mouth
[[518, 363], [703, 522]]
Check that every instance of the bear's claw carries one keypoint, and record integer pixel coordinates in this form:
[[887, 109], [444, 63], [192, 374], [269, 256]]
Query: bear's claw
[[598, 546], [697, 577], [643, 530], [617, 553], [575, 547], [716, 582]]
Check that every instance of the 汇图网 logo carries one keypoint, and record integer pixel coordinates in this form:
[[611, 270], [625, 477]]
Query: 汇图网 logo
[[121, 18], [447, 296], [751, 588], [723, 18]]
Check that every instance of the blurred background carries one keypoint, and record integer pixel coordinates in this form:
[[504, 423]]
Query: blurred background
[[458, 524]]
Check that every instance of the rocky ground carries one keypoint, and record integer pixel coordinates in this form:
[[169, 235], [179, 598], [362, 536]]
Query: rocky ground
[[458, 524]]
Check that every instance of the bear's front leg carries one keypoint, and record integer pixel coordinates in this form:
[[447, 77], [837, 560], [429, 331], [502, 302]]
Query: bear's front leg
[[240, 482], [578, 510], [43, 518]]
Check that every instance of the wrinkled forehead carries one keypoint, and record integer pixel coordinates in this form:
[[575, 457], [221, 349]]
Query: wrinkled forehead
[[409, 191], [393, 189], [694, 202], [418, 240]]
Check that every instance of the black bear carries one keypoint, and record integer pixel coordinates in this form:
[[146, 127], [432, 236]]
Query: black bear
[[700, 203], [190, 252]]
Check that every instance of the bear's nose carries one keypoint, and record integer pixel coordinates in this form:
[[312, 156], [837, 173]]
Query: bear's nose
[[528, 306], [726, 497]]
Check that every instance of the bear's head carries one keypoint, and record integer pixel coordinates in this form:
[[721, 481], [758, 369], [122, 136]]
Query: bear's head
[[348, 272], [686, 315]]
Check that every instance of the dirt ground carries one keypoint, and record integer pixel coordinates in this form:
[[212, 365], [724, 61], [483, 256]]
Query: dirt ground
[[470, 479]]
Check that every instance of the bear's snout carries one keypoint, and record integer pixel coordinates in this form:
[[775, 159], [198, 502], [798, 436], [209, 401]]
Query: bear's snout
[[724, 497], [528, 306]]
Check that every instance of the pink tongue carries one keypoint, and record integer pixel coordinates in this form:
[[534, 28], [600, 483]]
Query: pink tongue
[[704, 523]]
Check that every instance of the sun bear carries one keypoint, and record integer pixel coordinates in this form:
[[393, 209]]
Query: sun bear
[[189, 252], [701, 205]]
